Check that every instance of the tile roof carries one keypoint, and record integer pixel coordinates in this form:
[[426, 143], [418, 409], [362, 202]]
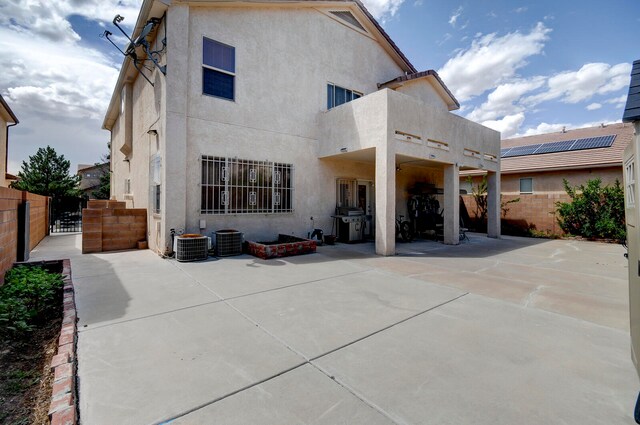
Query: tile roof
[[632, 109], [589, 158]]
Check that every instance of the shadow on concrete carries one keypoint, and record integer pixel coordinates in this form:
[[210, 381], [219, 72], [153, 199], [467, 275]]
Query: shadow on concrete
[[100, 295]]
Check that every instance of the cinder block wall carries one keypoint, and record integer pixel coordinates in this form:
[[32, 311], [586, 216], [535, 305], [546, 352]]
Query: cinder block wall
[[39, 218], [536, 210], [110, 226], [10, 200]]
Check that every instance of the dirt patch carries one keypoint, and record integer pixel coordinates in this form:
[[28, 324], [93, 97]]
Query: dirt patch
[[25, 376]]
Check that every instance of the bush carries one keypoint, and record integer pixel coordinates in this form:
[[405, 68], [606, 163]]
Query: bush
[[29, 297], [594, 211]]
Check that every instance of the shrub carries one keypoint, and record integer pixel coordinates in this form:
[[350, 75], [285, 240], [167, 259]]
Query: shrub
[[29, 297], [594, 211]]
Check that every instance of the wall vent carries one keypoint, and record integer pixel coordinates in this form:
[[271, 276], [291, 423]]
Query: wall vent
[[348, 18]]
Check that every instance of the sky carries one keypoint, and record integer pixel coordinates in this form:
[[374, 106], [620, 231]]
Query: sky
[[519, 67]]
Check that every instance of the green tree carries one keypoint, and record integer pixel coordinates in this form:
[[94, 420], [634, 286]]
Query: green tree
[[47, 173], [594, 211]]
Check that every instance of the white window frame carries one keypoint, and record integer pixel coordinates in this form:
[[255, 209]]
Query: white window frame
[[520, 186], [223, 71], [329, 83], [231, 186], [630, 182]]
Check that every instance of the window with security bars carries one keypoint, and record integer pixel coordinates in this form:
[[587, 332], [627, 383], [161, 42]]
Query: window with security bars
[[240, 186], [630, 183]]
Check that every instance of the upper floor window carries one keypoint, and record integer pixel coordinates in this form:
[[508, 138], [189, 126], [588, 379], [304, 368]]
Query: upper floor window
[[218, 69], [337, 95]]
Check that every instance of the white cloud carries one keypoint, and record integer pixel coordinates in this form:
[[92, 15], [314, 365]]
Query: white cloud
[[48, 19], [507, 126], [594, 106], [521, 9], [503, 100], [617, 102], [491, 60], [444, 39], [580, 85], [58, 86], [382, 9], [453, 19]]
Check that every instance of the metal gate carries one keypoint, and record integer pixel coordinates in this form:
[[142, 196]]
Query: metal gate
[[66, 214]]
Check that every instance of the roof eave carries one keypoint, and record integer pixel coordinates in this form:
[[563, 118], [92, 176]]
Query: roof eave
[[450, 100], [14, 119]]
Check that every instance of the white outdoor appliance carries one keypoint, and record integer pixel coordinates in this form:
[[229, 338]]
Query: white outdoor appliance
[[351, 222]]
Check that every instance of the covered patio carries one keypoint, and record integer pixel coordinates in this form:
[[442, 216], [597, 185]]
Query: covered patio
[[392, 130]]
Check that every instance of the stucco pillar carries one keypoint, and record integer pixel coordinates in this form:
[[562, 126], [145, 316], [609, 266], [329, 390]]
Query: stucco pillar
[[493, 204], [451, 204], [385, 200], [173, 144]]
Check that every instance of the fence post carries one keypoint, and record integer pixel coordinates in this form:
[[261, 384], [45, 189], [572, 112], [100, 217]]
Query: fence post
[[24, 230]]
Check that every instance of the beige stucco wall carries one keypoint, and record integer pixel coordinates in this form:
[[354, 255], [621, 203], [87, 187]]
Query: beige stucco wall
[[423, 90], [280, 91], [145, 104], [284, 59]]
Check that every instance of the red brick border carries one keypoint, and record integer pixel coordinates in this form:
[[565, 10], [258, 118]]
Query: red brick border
[[284, 249], [63, 407]]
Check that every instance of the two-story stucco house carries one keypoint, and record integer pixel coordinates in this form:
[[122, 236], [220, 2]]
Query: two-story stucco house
[[274, 112]]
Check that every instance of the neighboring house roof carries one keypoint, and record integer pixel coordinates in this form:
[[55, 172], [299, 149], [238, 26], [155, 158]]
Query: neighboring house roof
[[428, 74], [632, 108], [576, 159], [151, 8], [8, 112]]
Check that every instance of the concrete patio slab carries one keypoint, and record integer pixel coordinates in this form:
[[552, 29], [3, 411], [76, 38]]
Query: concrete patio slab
[[148, 370], [318, 317], [482, 361], [539, 338], [237, 276], [302, 396]]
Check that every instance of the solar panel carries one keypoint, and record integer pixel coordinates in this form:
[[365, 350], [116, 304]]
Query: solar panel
[[562, 146], [555, 147], [593, 142], [521, 151]]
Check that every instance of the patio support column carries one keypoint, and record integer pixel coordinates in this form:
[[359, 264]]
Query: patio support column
[[385, 200], [493, 204], [451, 204]]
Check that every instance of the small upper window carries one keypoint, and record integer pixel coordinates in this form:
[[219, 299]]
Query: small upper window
[[337, 95], [218, 69], [526, 185]]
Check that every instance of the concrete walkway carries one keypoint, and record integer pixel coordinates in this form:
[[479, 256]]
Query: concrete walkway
[[510, 331]]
